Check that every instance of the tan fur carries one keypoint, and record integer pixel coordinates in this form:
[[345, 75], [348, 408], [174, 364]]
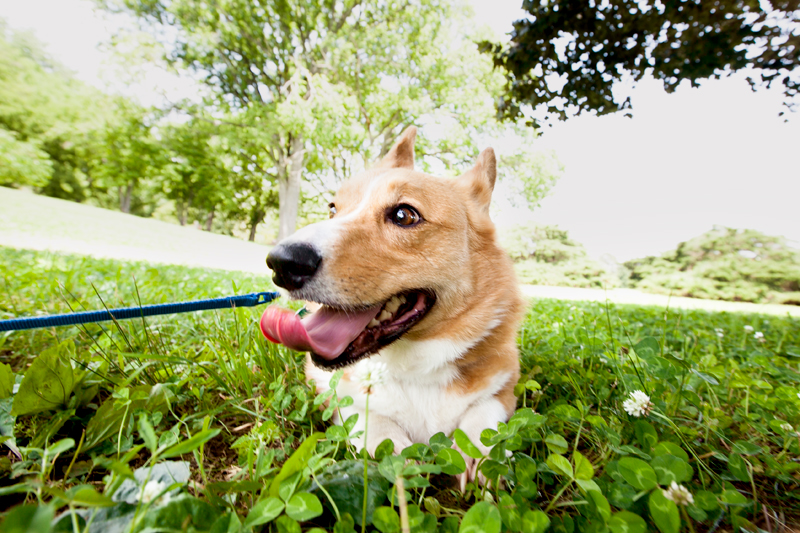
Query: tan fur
[[454, 252]]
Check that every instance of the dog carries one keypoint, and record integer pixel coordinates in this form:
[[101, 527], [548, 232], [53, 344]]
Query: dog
[[411, 280]]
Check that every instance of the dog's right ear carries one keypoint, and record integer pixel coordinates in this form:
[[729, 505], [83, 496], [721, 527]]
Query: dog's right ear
[[479, 180], [402, 153]]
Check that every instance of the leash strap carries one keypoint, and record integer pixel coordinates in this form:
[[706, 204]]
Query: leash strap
[[70, 319]]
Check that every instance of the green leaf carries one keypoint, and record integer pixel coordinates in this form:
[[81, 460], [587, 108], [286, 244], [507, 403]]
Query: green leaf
[[737, 466], [670, 468], [600, 503], [627, 522], [386, 520], [28, 519], [465, 445], [664, 512], [670, 448], [733, 497], [182, 513], [384, 448], [227, 523], [483, 517], [560, 465], [60, 447], [509, 513], [451, 461], [191, 444], [287, 524], [645, 434], [556, 443], [6, 381], [637, 473], [47, 383], [87, 496], [746, 448], [344, 482], [706, 500], [296, 462], [147, 433], [535, 522], [647, 348], [583, 468], [303, 506], [264, 511]]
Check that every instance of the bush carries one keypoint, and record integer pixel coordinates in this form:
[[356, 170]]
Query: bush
[[724, 264], [545, 255]]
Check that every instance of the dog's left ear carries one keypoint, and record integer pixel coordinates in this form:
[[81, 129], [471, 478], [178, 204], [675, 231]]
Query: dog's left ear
[[402, 153], [479, 180]]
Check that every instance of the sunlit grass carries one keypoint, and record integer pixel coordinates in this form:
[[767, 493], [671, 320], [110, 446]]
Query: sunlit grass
[[201, 408]]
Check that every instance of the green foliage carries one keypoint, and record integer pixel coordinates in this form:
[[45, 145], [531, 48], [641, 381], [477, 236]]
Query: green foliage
[[724, 264], [194, 423], [545, 255], [592, 45], [48, 120]]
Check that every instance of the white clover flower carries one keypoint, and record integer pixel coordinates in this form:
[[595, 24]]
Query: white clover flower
[[153, 489], [370, 374], [638, 404], [798, 395], [748, 329], [720, 332], [786, 427], [758, 335], [679, 494]]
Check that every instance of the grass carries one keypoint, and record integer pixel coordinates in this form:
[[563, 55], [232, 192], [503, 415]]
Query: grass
[[44, 223], [195, 423]]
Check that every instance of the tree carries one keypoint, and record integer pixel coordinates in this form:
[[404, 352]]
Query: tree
[[195, 177], [321, 89], [48, 120], [565, 58], [129, 154]]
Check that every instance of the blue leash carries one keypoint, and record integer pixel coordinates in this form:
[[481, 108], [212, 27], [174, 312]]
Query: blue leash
[[70, 319]]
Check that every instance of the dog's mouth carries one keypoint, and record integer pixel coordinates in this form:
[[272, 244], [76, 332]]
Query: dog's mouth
[[338, 337]]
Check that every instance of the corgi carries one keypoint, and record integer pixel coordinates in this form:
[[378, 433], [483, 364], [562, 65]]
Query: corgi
[[413, 285]]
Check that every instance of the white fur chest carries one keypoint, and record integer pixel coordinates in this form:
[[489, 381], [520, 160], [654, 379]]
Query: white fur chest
[[415, 393]]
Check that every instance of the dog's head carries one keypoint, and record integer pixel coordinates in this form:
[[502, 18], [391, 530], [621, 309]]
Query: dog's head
[[396, 256]]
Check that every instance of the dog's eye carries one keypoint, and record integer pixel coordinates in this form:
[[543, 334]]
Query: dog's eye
[[332, 208], [404, 215]]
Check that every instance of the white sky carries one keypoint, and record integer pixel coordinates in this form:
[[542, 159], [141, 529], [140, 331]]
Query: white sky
[[632, 187]]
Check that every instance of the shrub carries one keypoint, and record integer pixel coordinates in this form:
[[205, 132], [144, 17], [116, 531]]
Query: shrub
[[724, 264], [546, 255]]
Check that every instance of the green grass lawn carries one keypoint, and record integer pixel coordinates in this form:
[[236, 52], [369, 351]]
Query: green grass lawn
[[195, 423], [39, 222]]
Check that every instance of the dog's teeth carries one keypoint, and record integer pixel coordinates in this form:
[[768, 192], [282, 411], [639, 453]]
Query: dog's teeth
[[373, 323], [392, 305], [402, 299], [385, 315]]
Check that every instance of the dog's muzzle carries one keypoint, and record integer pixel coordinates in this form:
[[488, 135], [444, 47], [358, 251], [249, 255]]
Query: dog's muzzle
[[293, 264]]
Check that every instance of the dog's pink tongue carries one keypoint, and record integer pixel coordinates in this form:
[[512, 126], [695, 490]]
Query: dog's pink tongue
[[326, 332]]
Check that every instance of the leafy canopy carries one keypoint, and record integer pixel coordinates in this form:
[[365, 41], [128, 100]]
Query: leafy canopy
[[567, 55]]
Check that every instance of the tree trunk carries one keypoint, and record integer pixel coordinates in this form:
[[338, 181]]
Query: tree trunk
[[210, 219], [289, 189], [252, 236], [125, 198], [181, 214]]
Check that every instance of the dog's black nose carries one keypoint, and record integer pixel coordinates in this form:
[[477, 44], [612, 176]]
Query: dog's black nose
[[293, 264]]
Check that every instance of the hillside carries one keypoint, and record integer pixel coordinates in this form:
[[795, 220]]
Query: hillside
[[43, 223]]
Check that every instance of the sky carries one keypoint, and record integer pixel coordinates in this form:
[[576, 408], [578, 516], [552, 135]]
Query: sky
[[714, 155]]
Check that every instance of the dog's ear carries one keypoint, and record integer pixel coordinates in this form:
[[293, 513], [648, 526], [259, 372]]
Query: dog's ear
[[402, 153], [479, 180]]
